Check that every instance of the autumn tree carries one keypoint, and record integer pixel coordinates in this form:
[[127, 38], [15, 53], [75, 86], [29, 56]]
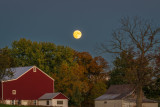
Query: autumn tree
[[5, 64], [140, 36], [27, 53], [71, 81], [93, 69], [93, 66], [119, 74], [77, 74], [44, 55], [82, 79], [153, 90]]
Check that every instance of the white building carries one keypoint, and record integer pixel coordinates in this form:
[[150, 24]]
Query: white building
[[53, 99], [122, 96]]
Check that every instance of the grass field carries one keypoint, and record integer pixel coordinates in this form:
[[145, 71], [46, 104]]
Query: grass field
[[3, 105]]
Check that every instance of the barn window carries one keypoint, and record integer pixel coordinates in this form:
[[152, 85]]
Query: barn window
[[19, 102], [13, 102], [34, 69], [59, 102], [13, 92], [47, 103], [35, 102]]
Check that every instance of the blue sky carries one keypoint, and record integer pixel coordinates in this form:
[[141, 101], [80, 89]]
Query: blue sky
[[55, 20]]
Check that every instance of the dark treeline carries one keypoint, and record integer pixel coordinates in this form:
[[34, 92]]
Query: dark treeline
[[137, 45], [78, 75], [81, 77]]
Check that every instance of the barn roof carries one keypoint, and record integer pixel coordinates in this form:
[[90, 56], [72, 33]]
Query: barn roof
[[117, 92], [17, 72], [49, 96], [120, 89], [107, 97]]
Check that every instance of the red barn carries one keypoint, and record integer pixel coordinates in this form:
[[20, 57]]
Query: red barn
[[26, 86]]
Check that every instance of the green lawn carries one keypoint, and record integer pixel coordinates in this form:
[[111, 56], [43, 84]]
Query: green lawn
[[3, 105]]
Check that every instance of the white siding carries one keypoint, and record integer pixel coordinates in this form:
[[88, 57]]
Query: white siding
[[128, 104], [132, 104], [8, 102], [53, 102], [44, 102], [108, 103], [150, 105], [24, 102], [65, 102]]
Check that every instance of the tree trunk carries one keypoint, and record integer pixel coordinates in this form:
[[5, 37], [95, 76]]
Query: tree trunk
[[139, 96]]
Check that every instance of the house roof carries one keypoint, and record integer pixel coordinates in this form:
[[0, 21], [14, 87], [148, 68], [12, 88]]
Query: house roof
[[120, 89], [49, 96], [107, 97], [17, 72], [117, 92]]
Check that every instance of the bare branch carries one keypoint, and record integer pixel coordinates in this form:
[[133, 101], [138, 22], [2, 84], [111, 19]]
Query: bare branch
[[152, 39]]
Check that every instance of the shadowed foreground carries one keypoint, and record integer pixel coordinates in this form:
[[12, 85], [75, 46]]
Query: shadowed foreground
[[3, 105]]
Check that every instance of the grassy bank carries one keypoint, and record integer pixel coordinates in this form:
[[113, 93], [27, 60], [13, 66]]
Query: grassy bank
[[3, 105]]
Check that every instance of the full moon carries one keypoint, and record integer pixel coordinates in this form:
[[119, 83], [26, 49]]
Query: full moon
[[77, 34]]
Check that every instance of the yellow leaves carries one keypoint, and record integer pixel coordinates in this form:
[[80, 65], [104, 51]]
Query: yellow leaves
[[71, 70], [70, 79]]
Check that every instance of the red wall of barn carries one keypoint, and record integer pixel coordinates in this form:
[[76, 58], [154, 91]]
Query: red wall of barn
[[60, 96], [30, 86]]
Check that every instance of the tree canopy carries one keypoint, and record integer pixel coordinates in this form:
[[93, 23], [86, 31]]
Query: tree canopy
[[77, 74], [5, 63], [136, 42]]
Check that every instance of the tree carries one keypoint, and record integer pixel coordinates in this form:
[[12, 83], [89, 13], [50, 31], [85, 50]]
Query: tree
[[93, 69], [153, 90], [5, 64], [75, 73], [80, 79], [71, 81], [119, 74], [45, 55], [98, 89], [140, 36]]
